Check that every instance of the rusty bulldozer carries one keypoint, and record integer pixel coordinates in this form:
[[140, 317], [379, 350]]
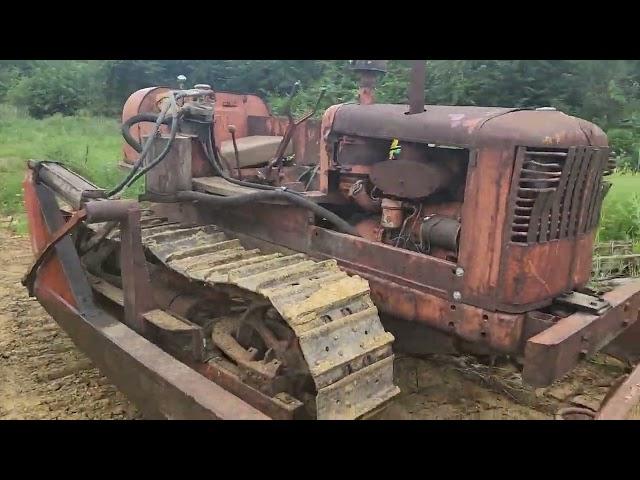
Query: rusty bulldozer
[[273, 265]]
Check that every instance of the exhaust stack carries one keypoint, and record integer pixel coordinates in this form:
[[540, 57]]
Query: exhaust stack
[[416, 87]]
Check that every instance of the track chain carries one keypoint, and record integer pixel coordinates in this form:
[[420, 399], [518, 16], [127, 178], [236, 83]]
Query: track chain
[[346, 348]]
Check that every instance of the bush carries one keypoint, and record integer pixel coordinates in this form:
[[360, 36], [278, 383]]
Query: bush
[[9, 78], [621, 220], [625, 143], [56, 87]]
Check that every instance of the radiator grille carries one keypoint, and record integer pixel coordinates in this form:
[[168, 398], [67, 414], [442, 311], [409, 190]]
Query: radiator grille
[[557, 193]]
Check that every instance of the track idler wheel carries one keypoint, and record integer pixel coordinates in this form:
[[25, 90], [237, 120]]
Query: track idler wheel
[[265, 350]]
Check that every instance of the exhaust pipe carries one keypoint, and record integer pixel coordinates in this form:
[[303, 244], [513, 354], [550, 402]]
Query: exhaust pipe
[[416, 87], [413, 151]]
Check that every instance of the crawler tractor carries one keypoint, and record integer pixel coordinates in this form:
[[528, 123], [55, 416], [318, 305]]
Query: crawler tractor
[[273, 265]]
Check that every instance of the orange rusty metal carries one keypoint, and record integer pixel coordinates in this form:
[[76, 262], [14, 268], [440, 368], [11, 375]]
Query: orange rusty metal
[[326, 148], [483, 217], [41, 256], [499, 331], [50, 272], [536, 273], [619, 402], [230, 109], [495, 279], [234, 109], [370, 229], [464, 126], [583, 258], [552, 353], [142, 101]]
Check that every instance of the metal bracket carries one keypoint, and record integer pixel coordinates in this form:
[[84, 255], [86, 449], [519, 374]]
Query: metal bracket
[[29, 279], [583, 302], [73, 188]]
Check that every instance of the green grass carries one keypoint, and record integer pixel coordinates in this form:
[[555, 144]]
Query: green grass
[[621, 210], [624, 186], [91, 146]]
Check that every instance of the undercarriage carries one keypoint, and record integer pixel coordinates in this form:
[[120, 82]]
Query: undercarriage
[[259, 318]]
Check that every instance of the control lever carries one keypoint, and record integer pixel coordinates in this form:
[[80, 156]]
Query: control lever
[[276, 161], [232, 131]]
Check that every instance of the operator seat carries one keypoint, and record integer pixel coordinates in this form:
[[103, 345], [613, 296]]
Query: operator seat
[[254, 150]]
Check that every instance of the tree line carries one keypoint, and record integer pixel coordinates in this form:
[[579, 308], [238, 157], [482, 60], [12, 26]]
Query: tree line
[[606, 92]]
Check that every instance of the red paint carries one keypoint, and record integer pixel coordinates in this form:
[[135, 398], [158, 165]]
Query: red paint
[[50, 273]]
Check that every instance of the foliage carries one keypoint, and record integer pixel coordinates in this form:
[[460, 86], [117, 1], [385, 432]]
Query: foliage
[[605, 91], [53, 87], [621, 221], [621, 211], [626, 140]]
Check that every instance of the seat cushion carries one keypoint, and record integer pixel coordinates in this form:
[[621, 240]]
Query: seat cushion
[[253, 151]]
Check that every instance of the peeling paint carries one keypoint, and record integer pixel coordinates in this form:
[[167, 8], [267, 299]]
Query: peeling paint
[[532, 271], [456, 119]]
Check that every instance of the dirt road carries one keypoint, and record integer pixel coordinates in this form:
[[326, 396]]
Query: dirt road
[[43, 376]]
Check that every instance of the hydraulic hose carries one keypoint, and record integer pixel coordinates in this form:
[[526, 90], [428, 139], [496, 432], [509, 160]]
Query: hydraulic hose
[[133, 175], [276, 194], [152, 117], [214, 161], [159, 158], [141, 117]]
